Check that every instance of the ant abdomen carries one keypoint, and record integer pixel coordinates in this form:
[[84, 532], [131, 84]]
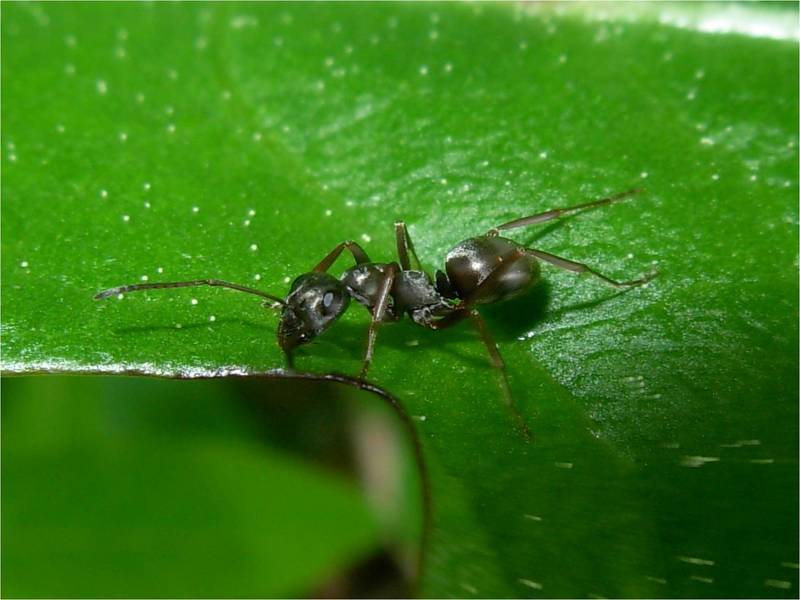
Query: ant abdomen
[[472, 261]]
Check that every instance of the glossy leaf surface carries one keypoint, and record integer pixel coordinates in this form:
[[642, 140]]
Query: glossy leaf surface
[[245, 141]]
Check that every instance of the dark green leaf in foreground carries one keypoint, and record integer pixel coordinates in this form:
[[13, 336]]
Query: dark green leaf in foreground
[[244, 141], [101, 499]]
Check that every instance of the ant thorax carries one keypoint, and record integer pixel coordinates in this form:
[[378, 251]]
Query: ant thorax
[[364, 283], [415, 294], [411, 291]]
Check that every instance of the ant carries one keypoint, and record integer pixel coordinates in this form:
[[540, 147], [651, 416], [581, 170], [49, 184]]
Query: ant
[[480, 270]]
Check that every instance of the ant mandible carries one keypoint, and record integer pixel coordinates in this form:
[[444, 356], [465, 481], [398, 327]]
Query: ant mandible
[[479, 270]]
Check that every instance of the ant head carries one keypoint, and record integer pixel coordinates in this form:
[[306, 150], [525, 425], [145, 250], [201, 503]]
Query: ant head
[[314, 302]]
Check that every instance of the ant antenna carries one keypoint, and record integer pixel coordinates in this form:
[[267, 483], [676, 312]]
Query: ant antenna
[[124, 289]]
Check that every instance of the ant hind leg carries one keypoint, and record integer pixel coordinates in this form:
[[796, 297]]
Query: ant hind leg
[[560, 212], [494, 356], [576, 267]]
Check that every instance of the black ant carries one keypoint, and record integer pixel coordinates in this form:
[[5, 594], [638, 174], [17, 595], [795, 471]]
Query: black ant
[[479, 270]]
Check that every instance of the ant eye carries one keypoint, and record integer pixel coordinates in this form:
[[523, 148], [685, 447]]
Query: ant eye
[[327, 300]]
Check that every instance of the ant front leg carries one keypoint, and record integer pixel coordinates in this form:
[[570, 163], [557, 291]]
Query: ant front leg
[[357, 251], [378, 314], [577, 267], [404, 246]]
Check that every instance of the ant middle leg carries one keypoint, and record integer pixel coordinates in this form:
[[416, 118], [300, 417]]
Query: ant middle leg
[[404, 246], [560, 212], [357, 251], [577, 267]]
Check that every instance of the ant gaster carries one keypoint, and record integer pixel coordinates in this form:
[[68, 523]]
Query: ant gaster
[[479, 270]]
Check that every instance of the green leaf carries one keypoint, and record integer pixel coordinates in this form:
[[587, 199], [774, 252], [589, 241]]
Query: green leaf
[[245, 141], [101, 499]]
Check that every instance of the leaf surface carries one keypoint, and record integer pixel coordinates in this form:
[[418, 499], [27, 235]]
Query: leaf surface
[[244, 141]]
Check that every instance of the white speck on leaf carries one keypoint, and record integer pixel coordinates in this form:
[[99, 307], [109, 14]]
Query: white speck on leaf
[[697, 461], [696, 561], [534, 585], [778, 583]]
